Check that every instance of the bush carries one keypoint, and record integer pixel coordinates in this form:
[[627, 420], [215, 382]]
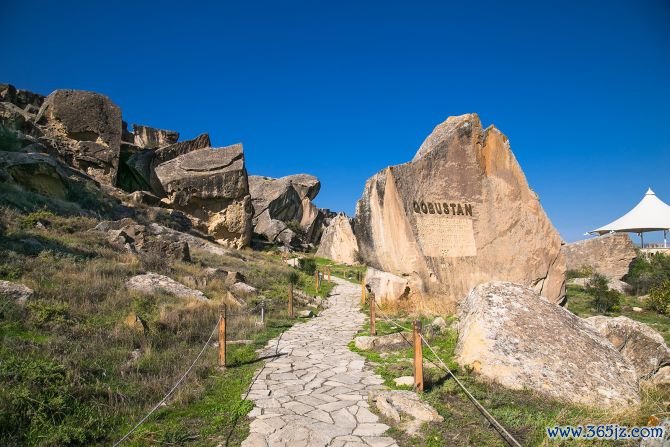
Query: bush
[[659, 298], [647, 273], [604, 300], [307, 265]]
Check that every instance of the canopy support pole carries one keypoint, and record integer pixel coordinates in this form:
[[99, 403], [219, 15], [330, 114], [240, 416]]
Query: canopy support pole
[[665, 238]]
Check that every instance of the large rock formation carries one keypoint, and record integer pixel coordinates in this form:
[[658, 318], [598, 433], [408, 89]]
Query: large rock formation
[[338, 241], [212, 186], [283, 203], [150, 138], [637, 342], [386, 286], [609, 255], [459, 214], [84, 128], [508, 334]]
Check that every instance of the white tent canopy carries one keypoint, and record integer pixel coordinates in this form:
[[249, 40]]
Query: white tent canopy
[[651, 214]]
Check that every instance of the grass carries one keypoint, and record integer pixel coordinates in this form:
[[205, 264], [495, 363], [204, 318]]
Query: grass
[[352, 273], [579, 303], [523, 413], [76, 368]]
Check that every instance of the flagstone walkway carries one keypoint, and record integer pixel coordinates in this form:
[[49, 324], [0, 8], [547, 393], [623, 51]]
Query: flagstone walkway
[[316, 395]]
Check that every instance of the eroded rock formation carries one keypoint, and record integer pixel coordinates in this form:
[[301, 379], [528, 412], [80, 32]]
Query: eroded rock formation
[[338, 241], [212, 186], [509, 334], [459, 214], [284, 205], [609, 255]]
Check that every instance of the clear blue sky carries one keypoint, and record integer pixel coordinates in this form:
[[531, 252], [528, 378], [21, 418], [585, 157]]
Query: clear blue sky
[[343, 89]]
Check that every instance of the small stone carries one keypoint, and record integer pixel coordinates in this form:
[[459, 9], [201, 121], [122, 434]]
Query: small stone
[[404, 381], [15, 291]]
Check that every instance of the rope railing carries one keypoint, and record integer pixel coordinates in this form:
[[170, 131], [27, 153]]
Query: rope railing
[[500, 429], [173, 389]]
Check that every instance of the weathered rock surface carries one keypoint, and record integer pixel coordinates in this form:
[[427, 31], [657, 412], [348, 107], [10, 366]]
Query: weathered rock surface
[[23, 99], [211, 185], [609, 255], [386, 286], [382, 342], [42, 174], [507, 332], [278, 202], [139, 238], [459, 214], [85, 130], [167, 153], [149, 138], [638, 343], [404, 408], [17, 292], [338, 241], [155, 283]]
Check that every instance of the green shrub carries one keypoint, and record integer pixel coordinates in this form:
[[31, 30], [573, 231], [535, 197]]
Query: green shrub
[[604, 300], [659, 298], [646, 273], [45, 313], [307, 265]]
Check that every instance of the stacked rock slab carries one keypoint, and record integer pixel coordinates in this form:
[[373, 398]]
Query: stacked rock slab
[[84, 128], [338, 241], [508, 334], [211, 185], [609, 255], [278, 202], [459, 214]]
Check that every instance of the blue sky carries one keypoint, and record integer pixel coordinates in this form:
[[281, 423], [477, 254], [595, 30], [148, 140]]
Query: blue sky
[[343, 89]]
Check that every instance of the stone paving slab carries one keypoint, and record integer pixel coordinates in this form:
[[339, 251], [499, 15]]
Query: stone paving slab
[[317, 394]]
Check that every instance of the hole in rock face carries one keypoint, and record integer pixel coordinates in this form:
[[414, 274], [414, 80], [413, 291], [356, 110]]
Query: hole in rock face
[[83, 136]]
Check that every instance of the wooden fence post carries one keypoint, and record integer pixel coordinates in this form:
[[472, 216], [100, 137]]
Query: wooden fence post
[[373, 328], [329, 281], [316, 280], [418, 357], [222, 336], [290, 300], [263, 312]]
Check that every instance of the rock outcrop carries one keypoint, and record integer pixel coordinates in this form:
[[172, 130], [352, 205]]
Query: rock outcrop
[[404, 408], [16, 292], [509, 334], [609, 255], [386, 286], [286, 202], [212, 186], [154, 283], [338, 241], [459, 214], [137, 238], [150, 138], [84, 129], [638, 343]]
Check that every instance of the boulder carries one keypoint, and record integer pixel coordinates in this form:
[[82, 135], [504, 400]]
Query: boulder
[[211, 185], [42, 174], [439, 325], [151, 283], [404, 408], [243, 289], [459, 214], [638, 343], [278, 202], [609, 255], [662, 376], [165, 154], [338, 241], [507, 333], [404, 381], [145, 198], [305, 314], [84, 128], [139, 238], [386, 286], [383, 342], [15, 291], [23, 99], [150, 138]]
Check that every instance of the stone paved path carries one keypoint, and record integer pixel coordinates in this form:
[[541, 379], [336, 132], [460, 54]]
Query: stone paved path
[[316, 395]]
